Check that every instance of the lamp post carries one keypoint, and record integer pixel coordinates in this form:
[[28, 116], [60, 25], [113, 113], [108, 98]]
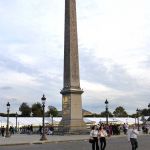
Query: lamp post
[[16, 122], [137, 110], [7, 127], [135, 120], [43, 106], [149, 109], [106, 102], [51, 118]]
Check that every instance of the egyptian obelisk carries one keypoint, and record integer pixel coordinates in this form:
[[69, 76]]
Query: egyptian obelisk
[[72, 119]]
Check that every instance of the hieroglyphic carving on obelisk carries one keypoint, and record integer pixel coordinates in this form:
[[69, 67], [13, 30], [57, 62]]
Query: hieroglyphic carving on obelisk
[[72, 119]]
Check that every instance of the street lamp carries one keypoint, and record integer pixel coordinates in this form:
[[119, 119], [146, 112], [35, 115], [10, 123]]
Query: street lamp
[[149, 109], [7, 127], [16, 122], [137, 110], [106, 102], [51, 118], [43, 106]]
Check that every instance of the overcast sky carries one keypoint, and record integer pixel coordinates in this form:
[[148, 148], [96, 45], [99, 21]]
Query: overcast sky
[[114, 48]]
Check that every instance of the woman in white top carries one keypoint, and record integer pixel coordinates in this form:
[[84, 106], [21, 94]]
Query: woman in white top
[[132, 137], [102, 134], [94, 135]]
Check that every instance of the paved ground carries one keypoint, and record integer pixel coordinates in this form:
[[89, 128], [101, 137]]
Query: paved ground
[[113, 143], [33, 139]]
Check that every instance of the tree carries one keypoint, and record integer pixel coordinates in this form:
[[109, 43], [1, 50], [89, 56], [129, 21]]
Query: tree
[[104, 114], [3, 114], [52, 111], [37, 110], [120, 112], [145, 112], [25, 110], [133, 115], [93, 115]]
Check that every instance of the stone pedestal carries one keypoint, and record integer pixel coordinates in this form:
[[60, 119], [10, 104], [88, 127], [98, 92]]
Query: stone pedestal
[[72, 119]]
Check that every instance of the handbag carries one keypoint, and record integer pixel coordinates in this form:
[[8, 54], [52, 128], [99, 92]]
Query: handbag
[[91, 140]]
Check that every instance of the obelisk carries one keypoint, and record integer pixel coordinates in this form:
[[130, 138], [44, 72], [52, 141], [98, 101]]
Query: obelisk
[[72, 119]]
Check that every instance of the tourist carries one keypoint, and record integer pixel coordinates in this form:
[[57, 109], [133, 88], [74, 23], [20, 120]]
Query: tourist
[[2, 131], [94, 136], [50, 130], [102, 134], [40, 129], [132, 137], [31, 129], [125, 128], [11, 130]]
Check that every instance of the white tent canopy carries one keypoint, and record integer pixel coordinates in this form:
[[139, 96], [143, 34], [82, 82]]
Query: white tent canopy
[[36, 121]]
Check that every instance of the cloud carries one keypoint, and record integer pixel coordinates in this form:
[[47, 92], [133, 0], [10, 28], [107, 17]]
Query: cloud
[[106, 72], [6, 88]]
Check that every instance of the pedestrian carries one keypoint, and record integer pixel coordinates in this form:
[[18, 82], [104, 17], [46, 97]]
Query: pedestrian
[[125, 128], [102, 134], [94, 136], [31, 129], [3, 131], [40, 129], [132, 137]]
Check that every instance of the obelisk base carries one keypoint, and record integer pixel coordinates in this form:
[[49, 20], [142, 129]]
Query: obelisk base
[[76, 127], [72, 119]]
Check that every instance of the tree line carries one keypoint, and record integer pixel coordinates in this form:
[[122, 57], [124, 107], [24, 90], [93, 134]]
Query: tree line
[[121, 112], [36, 111]]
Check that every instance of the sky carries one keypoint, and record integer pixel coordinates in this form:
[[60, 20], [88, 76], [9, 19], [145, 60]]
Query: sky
[[114, 53]]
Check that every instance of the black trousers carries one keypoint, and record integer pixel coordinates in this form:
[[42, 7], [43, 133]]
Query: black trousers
[[2, 133], [103, 143], [95, 144], [134, 143]]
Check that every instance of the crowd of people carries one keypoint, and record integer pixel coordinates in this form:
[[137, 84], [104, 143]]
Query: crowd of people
[[99, 133], [38, 130], [11, 130], [26, 130], [114, 129]]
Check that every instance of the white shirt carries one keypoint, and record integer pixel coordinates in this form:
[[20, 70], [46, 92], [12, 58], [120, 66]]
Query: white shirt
[[94, 133], [132, 133], [102, 133]]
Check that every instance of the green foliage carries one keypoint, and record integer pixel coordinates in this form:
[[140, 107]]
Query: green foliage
[[120, 112], [143, 119], [52, 111], [25, 110], [93, 115], [3, 114], [12, 115], [133, 115], [37, 110], [104, 114], [145, 112]]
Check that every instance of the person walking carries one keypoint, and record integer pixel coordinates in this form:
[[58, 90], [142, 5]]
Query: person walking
[[94, 136], [132, 137], [102, 134], [3, 131]]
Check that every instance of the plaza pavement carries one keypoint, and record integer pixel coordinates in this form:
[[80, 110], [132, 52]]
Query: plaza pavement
[[22, 139]]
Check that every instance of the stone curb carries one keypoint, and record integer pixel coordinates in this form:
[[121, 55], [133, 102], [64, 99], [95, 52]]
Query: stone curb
[[15, 144], [42, 142]]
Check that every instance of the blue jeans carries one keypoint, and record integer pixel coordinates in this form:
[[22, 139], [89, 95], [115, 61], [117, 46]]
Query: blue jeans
[[103, 143]]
